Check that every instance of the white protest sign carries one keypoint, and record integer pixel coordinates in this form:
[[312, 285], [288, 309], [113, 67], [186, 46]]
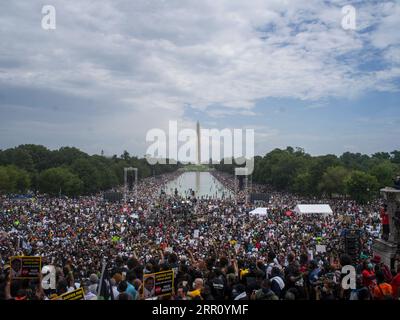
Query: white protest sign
[[237, 247], [310, 255], [196, 233]]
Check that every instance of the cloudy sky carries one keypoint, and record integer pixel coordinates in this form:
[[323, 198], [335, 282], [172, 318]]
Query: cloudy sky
[[114, 69]]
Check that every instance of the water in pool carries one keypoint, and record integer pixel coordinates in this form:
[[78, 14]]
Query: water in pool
[[202, 183]]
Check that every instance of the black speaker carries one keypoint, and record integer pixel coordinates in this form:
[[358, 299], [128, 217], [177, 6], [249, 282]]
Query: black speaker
[[112, 196], [352, 246], [259, 197], [241, 182], [130, 181]]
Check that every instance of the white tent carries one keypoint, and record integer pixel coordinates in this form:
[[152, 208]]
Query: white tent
[[324, 209], [259, 212]]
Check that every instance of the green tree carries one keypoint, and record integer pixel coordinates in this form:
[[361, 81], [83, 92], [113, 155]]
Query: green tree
[[67, 155], [42, 157], [17, 157], [381, 156], [104, 173], [5, 182], [317, 168], [13, 179], [125, 155], [60, 180], [384, 172], [280, 167], [355, 161], [20, 180], [362, 186], [302, 184], [87, 171], [334, 181], [395, 156]]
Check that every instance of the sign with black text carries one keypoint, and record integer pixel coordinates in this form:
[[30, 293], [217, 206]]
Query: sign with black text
[[77, 294], [25, 267], [158, 284]]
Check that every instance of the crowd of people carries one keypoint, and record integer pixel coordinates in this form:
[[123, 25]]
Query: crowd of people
[[215, 247]]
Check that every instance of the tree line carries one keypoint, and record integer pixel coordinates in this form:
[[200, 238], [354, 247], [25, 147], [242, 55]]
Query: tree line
[[353, 175], [67, 171]]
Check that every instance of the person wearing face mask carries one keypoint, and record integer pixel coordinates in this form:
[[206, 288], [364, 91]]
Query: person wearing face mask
[[368, 274]]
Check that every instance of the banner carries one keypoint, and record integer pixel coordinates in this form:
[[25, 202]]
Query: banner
[[77, 294], [25, 267], [158, 284]]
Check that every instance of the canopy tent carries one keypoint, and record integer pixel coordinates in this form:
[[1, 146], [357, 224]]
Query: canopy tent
[[259, 212], [324, 209]]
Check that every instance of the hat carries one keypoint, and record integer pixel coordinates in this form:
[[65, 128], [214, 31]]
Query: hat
[[376, 259]]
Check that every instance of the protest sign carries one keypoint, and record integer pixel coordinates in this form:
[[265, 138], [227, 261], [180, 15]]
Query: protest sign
[[77, 294], [310, 255], [320, 249], [158, 284], [196, 233], [115, 239], [237, 247], [25, 267]]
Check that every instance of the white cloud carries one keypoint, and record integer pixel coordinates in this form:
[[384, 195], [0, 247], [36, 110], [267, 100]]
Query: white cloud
[[148, 59]]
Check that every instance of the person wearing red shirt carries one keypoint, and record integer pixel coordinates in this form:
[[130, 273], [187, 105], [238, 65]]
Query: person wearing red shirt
[[368, 275], [385, 222], [396, 284]]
